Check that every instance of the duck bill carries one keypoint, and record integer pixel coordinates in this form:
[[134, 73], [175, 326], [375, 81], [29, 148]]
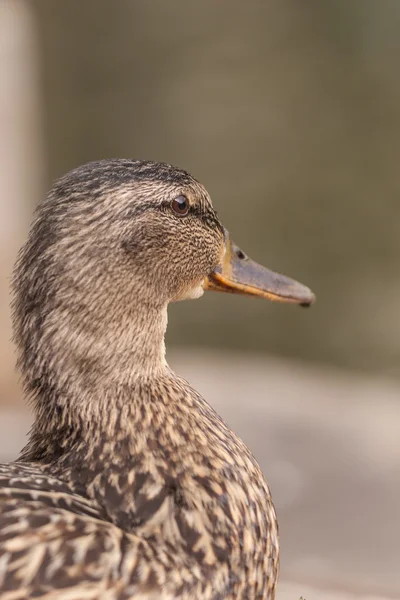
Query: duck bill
[[238, 274]]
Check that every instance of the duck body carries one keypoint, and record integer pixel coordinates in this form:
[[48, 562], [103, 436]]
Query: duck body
[[131, 486], [156, 495]]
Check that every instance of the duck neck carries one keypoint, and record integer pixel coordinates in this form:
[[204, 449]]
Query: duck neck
[[93, 370]]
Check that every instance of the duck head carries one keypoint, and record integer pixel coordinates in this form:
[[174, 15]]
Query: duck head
[[113, 243]]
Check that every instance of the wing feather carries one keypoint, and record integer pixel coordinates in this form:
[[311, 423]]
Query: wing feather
[[55, 545]]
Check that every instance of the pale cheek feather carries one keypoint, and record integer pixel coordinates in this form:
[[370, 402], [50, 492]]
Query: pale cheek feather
[[192, 293]]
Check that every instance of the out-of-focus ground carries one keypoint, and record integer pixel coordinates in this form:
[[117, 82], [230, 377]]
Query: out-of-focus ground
[[317, 435]]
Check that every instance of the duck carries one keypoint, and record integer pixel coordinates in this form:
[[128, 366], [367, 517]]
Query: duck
[[130, 485]]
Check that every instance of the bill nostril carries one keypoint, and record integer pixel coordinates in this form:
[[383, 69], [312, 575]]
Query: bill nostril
[[240, 254]]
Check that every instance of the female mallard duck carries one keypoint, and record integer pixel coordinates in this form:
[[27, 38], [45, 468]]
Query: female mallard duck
[[130, 486]]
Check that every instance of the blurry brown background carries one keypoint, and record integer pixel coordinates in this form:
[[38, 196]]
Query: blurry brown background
[[289, 112]]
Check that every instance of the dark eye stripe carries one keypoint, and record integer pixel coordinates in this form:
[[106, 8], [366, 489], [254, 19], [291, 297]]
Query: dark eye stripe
[[205, 213], [208, 216]]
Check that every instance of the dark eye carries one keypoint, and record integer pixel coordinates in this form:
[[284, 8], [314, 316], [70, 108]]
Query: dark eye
[[180, 206]]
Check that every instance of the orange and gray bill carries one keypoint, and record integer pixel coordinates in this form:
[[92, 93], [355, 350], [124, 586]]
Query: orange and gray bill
[[238, 274]]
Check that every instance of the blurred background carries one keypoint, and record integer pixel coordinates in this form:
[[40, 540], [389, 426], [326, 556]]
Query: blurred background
[[289, 113]]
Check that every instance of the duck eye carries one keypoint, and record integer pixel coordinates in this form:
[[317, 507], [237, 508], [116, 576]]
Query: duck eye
[[180, 206]]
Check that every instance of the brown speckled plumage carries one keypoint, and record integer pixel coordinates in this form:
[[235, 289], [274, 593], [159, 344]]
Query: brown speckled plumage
[[131, 486]]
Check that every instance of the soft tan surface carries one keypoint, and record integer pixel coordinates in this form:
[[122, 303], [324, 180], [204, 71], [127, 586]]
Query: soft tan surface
[[291, 591]]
